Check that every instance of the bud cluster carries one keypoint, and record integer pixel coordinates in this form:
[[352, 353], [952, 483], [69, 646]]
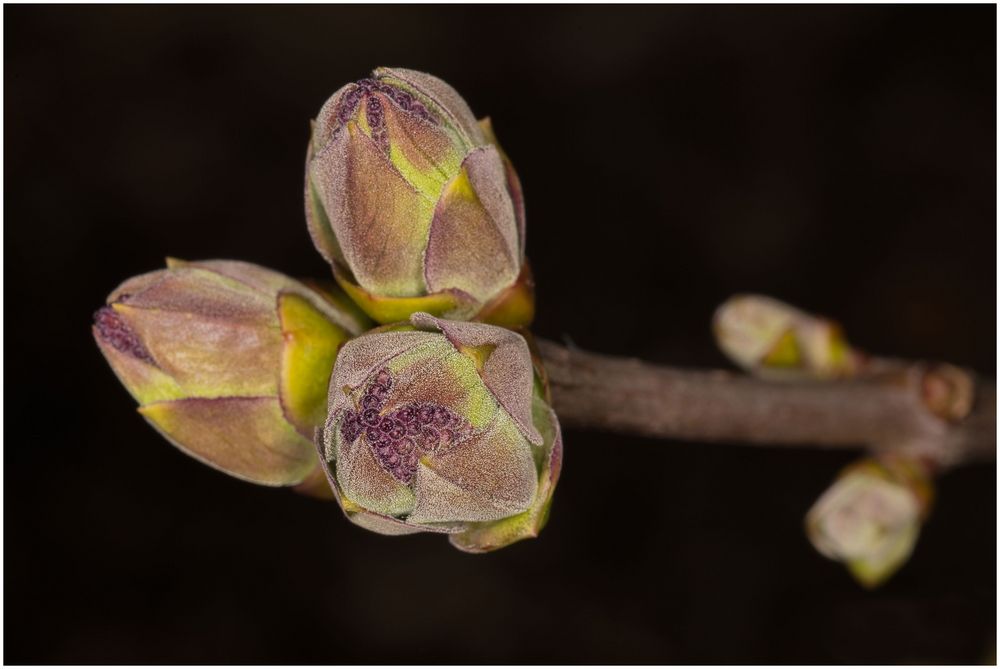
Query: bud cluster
[[421, 425]]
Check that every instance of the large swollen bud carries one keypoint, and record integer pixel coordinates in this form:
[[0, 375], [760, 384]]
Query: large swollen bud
[[229, 361], [442, 426], [415, 205]]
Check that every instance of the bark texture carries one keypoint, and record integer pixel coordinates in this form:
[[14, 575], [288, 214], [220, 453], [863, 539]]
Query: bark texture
[[949, 418]]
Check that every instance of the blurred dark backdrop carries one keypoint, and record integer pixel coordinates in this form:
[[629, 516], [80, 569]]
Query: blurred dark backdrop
[[841, 158]]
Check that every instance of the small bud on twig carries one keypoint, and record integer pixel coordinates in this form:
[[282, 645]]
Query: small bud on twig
[[772, 339], [948, 392], [870, 517]]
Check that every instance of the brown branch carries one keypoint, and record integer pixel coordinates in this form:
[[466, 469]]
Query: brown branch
[[892, 408]]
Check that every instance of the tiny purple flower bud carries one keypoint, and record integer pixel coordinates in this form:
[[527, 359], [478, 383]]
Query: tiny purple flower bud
[[377, 439], [350, 427], [405, 446], [383, 380], [398, 431], [386, 425], [370, 418], [425, 414], [429, 439], [442, 417]]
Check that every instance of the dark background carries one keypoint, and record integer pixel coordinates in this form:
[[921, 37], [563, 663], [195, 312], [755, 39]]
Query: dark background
[[841, 158]]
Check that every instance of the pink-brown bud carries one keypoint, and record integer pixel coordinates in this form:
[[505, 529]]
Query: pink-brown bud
[[441, 426], [229, 361], [414, 204]]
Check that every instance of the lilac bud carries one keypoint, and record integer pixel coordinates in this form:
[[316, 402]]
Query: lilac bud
[[465, 444], [414, 204], [772, 339], [229, 361], [871, 516]]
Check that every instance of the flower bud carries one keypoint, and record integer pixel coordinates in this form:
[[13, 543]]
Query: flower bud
[[870, 517], [229, 361], [772, 339], [442, 426], [414, 204]]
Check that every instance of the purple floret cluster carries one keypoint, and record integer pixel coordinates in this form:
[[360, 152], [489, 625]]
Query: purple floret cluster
[[399, 439], [115, 332], [365, 89]]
